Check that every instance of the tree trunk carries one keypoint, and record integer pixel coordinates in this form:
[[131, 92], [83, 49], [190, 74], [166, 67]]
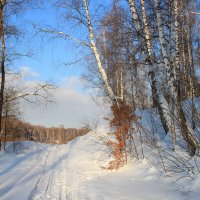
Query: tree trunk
[[121, 83], [2, 63], [186, 132], [5, 130], [158, 98], [97, 56], [146, 31]]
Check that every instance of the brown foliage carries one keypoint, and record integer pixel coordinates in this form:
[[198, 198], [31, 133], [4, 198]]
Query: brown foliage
[[121, 123]]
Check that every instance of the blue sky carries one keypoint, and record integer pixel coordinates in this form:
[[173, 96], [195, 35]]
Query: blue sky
[[50, 53], [73, 102]]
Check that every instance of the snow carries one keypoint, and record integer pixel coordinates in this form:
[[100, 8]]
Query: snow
[[73, 172], [134, 181]]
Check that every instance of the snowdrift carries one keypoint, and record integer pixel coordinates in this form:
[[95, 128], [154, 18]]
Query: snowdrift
[[73, 171]]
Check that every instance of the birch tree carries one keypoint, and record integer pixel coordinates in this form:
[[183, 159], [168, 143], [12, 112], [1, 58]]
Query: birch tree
[[170, 68], [79, 11], [168, 41], [146, 49], [97, 56]]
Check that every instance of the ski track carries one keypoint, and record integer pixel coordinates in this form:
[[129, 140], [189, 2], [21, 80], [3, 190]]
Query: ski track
[[52, 182], [61, 177], [52, 167]]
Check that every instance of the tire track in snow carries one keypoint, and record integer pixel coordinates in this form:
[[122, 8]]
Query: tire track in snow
[[60, 179], [52, 184], [42, 185]]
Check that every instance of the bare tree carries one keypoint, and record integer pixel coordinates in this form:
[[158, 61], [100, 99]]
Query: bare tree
[[11, 110], [2, 7], [8, 9]]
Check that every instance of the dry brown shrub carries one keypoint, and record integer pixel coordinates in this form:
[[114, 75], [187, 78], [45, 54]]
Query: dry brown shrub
[[121, 122]]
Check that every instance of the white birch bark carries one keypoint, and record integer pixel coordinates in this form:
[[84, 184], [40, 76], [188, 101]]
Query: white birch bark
[[147, 55], [177, 52], [97, 56], [186, 131], [176, 30], [167, 64], [146, 30], [121, 84]]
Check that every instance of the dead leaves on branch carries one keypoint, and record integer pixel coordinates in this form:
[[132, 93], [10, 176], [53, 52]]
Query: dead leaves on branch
[[121, 123]]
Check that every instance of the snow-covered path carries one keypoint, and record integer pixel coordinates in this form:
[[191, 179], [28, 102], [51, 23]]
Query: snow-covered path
[[51, 184], [72, 172], [38, 174]]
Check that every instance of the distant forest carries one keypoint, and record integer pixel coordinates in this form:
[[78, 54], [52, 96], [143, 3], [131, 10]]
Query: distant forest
[[17, 130]]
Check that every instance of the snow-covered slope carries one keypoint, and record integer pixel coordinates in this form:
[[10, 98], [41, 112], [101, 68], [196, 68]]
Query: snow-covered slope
[[73, 172]]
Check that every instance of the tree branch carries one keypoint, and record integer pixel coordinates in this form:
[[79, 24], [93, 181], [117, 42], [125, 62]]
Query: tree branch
[[196, 13], [65, 36]]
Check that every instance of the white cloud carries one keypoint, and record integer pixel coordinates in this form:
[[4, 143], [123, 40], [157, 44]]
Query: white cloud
[[73, 107], [27, 72]]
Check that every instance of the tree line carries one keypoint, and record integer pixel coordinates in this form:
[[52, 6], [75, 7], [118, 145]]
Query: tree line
[[17, 130]]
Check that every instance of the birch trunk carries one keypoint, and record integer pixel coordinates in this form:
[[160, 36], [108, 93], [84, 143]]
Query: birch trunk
[[158, 98], [121, 77], [169, 68], [121, 84], [176, 69], [97, 56], [146, 30], [186, 132]]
